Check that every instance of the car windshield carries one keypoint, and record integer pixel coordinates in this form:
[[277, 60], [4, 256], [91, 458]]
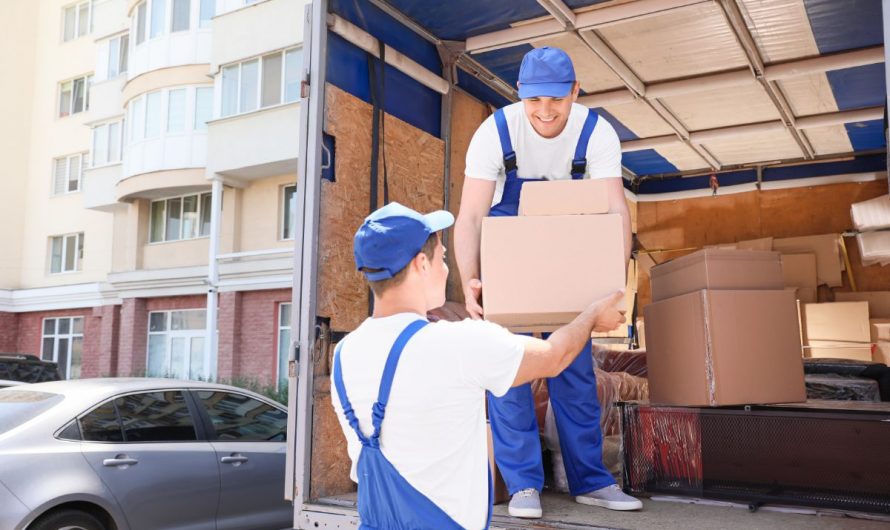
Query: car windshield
[[18, 406]]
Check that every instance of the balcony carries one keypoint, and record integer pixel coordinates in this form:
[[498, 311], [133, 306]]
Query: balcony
[[98, 187], [109, 17], [105, 99], [236, 36]]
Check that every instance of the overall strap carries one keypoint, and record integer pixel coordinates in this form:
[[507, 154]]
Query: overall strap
[[344, 400], [579, 163], [506, 145], [389, 371]]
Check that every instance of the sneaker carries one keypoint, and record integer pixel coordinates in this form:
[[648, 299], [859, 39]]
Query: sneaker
[[526, 504], [610, 497]]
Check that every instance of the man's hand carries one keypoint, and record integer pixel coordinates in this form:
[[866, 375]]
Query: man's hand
[[473, 296], [607, 316]]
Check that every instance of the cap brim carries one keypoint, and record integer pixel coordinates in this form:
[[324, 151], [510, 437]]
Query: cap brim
[[439, 220], [549, 90]]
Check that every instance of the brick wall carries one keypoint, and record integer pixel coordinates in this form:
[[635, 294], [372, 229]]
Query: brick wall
[[30, 334], [257, 356], [9, 332]]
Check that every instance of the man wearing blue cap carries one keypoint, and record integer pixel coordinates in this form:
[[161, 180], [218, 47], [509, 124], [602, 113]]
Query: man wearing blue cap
[[410, 394], [546, 136]]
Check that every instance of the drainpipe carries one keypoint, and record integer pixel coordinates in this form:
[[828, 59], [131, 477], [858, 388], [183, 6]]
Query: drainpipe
[[211, 359]]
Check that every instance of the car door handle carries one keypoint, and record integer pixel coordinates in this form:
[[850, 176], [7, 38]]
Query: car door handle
[[234, 459], [120, 461]]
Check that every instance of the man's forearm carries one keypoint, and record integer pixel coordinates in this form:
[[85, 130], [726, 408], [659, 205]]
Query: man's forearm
[[467, 236]]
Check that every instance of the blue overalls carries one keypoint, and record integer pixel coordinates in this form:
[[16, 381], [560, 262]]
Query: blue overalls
[[385, 499], [517, 445]]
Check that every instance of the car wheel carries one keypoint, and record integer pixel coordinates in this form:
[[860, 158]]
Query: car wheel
[[68, 520]]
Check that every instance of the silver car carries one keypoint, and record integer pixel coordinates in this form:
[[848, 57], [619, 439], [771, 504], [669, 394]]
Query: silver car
[[141, 454]]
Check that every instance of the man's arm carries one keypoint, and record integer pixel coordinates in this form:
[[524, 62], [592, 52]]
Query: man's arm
[[547, 358], [474, 205], [618, 204]]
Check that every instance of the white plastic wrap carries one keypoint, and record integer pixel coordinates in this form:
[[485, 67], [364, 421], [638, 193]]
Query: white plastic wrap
[[873, 214]]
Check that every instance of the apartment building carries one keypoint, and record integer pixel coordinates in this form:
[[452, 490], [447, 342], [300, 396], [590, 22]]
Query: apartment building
[[150, 177]]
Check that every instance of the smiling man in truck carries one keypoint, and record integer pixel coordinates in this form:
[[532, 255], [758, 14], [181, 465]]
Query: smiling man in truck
[[546, 136], [410, 395]]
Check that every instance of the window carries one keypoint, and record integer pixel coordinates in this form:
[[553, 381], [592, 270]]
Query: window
[[203, 107], [67, 173], [260, 83], [74, 96], [161, 416], [176, 110], [238, 418], [140, 23], [208, 10], [288, 211], [66, 253], [176, 344], [107, 143], [63, 344], [76, 20], [101, 424], [179, 218], [158, 18], [153, 115], [117, 55], [181, 12], [137, 119], [166, 111], [284, 337]]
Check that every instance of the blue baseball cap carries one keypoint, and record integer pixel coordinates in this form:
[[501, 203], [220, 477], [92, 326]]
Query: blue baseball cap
[[546, 72], [391, 236]]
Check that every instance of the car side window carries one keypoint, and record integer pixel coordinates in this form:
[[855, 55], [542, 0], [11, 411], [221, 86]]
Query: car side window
[[161, 416], [240, 418], [101, 424]]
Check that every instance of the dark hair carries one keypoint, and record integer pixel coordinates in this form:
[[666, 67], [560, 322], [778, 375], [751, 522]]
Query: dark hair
[[380, 286]]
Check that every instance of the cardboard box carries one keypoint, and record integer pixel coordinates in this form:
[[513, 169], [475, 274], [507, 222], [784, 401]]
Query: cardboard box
[[826, 349], [878, 301], [799, 270], [764, 243], [711, 348], [499, 488], [717, 269], [829, 263], [873, 214], [540, 272], [880, 329], [881, 353], [805, 295], [837, 321], [564, 197]]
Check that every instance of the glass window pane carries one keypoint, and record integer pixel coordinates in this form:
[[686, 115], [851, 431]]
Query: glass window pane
[[64, 326], [285, 314], [100, 145], [78, 96], [83, 19], [153, 115], [190, 217], [203, 107], [178, 358], [196, 364], [157, 356], [240, 418], [56, 260], [49, 326], [176, 110], [293, 63], [62, 356], [249, 84], [157, 322], [77, 326], [60, 175], [114, 142], [289, 218], [70, 23], [181, 15], [124, 52], [138, 121], [48, 354], [271, 80], [65, 99], [140, 24], [208, 10], [185, 320], [101, 425], [156, 417], [158, 17], [70, 253], [87, 85], [229, 90], [283, 346], [76, 357], [206, 212], [157, 221], [114, 57], [174, 215]]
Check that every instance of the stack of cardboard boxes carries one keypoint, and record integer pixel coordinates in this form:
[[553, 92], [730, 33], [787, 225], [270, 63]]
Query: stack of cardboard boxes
[[562, 253], [723, 330]]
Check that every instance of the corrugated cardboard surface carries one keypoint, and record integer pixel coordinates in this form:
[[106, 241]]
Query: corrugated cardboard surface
[[716, 269], [539, 272], [826, 349], [880, 329], [564, 197], [828, 258], [881, 353], [837, 321], [799, 270], [878, 301], [806, 295], [724, 347]]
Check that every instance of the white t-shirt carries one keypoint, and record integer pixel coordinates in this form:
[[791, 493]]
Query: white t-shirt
[[539, 157], [434, 431]]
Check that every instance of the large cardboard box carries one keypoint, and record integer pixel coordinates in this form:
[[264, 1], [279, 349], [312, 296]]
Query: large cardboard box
[[826, 349], [880, 336], [829, 263], [878, 301], [540, 272], [564, 197], [711, 348], [837, 322], [881, 353], [717, 269], [873, 214], [799, 270]]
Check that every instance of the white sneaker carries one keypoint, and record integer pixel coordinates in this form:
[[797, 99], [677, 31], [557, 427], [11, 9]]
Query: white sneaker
[[526, 504], [610, 497]]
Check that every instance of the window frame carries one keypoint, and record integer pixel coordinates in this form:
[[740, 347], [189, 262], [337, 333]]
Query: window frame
[[282, 221], [122, 44], [195, 412], [82, 164], [109, 161], [56, 336], [87, 80], [282, 88], [283, 350], [181, 198], [77, 20], [78, 253], [170, 334]]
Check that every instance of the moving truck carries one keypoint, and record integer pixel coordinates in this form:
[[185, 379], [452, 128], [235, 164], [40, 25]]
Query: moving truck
[[740, 120]]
